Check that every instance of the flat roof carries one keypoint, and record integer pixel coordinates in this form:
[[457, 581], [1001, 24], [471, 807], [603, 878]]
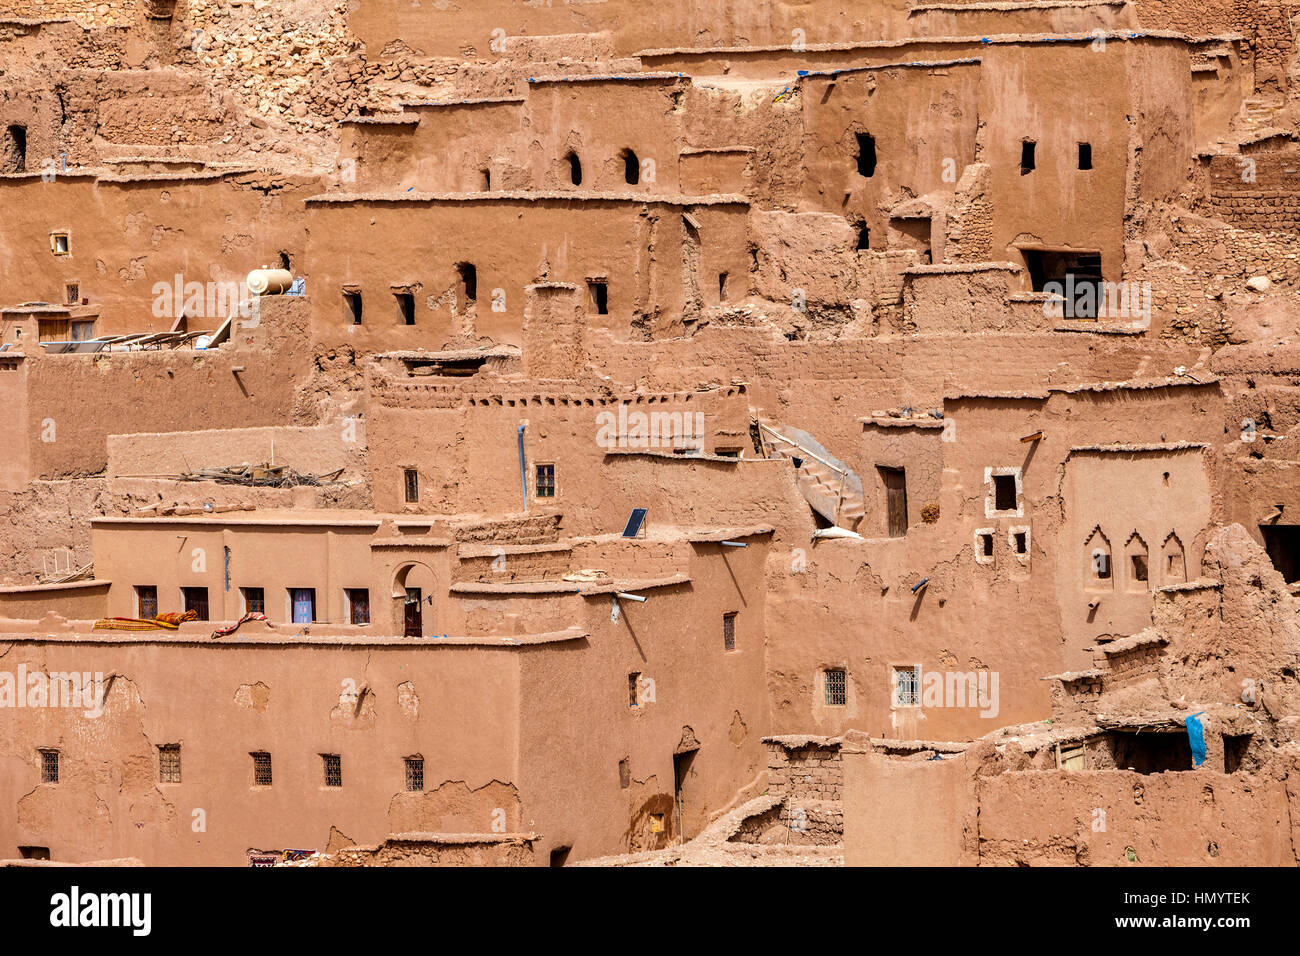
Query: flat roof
[[1004, 38], [541, 195], [259, 634], [650, 76]]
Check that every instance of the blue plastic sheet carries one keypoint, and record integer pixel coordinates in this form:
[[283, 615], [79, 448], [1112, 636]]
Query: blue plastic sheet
[[1196, 737]]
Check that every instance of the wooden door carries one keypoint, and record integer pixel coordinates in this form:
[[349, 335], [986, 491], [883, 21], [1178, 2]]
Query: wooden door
[[895, 481]]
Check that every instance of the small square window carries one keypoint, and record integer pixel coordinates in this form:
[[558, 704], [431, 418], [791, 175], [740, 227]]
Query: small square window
[[986, 544], [412, 479], [634, 689], [352, 308], [146, 601], [49, 766], [71, 293], [729, 631], [599, 291], [1139, 567], [261, 769], [1085, 156], [836, 681], [414, 773], [1028, 150], [254, 600], [1021, 541], [1004, 492], [907, 686], [333, 770], [169, 763], [728, 452], [61, 243], [406, 307], [545, 481]]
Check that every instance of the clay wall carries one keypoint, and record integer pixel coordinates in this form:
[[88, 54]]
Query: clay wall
[[458, 33], [128, 234], [915, 813], [654, 265], [74, 402]]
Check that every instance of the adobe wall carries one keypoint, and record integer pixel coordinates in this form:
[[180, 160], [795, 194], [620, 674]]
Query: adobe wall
[[456, 33], [130, 233], [704, 698], [651, 266], [1155, 505], [82, 599], [74, 402], [1196, 818], [452, 705], [310, 450], [907, 812], [469, 451], [924, 120], [946, 813]]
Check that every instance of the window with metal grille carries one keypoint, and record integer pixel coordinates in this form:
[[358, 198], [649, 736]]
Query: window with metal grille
[[729, 631], [254, 600], [412, 478], [49, 766], [169, 763], [907, 686], [196, 600], [358, 605], [545, 481], [262, 769], [836, 680], [146, 601], [414, 773], [71, 293], [333, 770]]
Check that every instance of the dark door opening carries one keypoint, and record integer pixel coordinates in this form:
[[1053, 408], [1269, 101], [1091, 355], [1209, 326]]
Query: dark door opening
[[1074, 276], [682, 763], [468, 276], [15, 149], [895, 481], [414, 617], [34, 852], [560, 855], [1282, 542], [866, 155], [1152, 751], [1235, 747]]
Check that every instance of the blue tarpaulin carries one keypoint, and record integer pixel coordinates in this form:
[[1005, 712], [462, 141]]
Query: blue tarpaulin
[[1196, 737]]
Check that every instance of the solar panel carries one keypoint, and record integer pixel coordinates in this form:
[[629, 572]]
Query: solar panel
[[634, 522]]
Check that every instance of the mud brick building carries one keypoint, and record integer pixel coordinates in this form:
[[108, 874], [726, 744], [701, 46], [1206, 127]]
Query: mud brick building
[[616, 433]]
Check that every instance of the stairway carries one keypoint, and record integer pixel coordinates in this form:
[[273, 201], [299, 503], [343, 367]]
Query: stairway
[[830, 487]]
